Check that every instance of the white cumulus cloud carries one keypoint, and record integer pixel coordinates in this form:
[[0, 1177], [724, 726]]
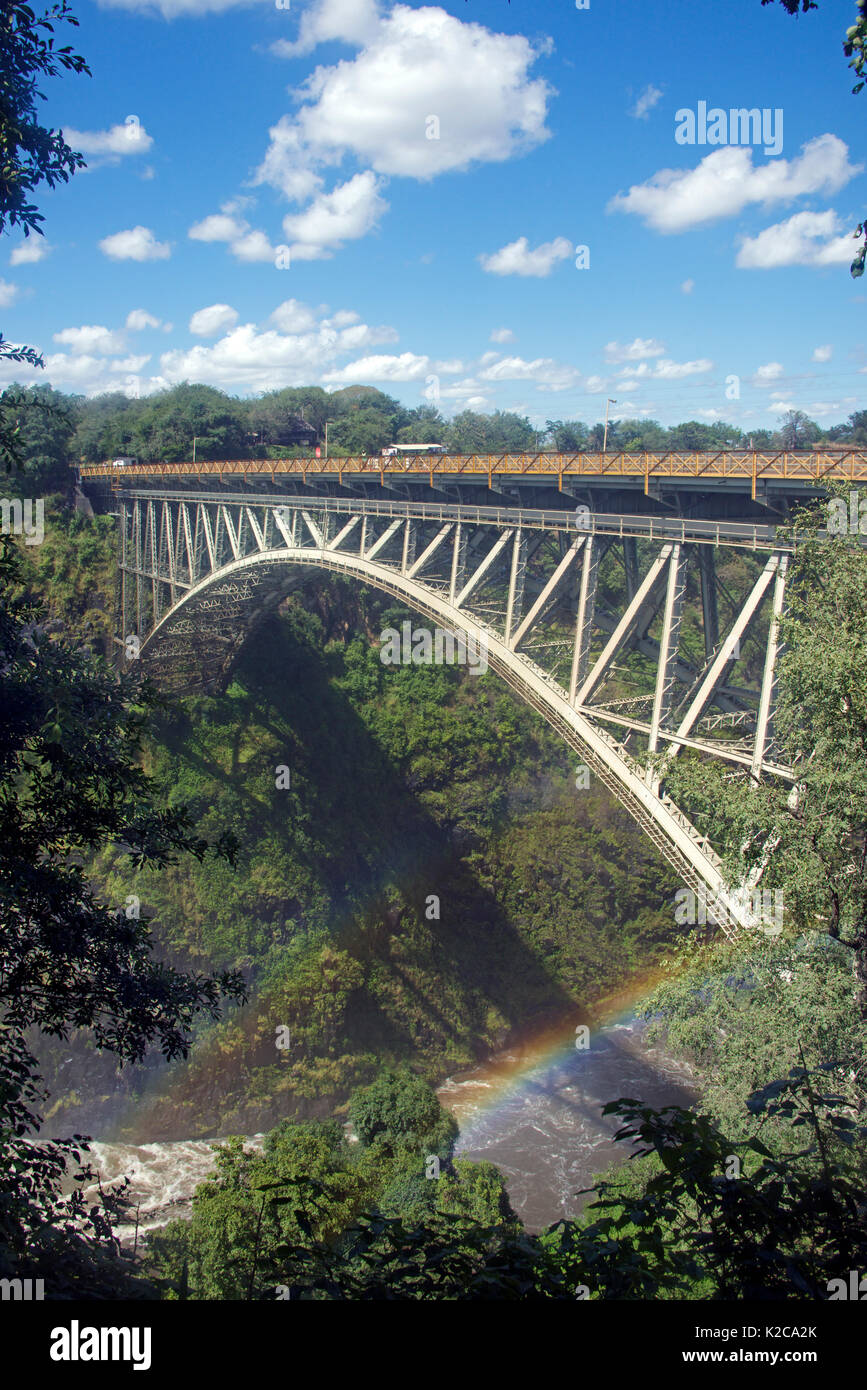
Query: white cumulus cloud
[[646, 102], [208, 322], [135, 244], [547, 374], [139, 319], [175, 9], [407, 367], [293, 317], [823, 353], [664, 370], [517, 259], [426, 93], [725, 182], [635, 351], [218, 227], [244, 359], [808, 238], [245, 242], [29, 251], [253, 246], [92, 339], [353, 21], [247, 358], [348, 212], [770, 371], [129, 138], [414, 65]]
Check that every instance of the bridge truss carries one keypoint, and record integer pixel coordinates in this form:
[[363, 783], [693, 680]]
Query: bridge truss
[[623, 632]]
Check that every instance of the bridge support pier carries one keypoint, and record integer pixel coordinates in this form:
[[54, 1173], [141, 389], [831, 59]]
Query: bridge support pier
[[710, 613]]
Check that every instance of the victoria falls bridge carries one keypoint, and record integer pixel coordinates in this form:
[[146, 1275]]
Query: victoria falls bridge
[[633, 600]]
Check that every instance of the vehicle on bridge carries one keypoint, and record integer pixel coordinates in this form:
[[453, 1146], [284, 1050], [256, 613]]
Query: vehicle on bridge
[[123, 462], [391, 449], [396, 450]]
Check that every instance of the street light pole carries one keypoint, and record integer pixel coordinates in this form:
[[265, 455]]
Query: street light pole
[[195, 442], [609, 401]]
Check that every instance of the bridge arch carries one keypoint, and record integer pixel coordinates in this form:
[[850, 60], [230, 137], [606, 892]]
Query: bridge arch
[[237, 580]]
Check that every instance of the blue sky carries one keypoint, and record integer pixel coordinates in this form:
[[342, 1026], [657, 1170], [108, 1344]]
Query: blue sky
[[349, 191]]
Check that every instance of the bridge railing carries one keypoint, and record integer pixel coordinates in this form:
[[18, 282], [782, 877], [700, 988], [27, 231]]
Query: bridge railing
[[811, 465], [578, 522]]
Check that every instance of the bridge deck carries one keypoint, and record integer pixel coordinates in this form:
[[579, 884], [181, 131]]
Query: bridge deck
[[745, 466]]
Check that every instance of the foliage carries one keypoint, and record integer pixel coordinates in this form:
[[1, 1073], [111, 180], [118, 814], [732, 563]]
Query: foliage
[[69, 734], [399, 1108], [32, 154], [41, 422], [546, 897], [309, 1186], [502, 432], [54, 432], [797, 430], [723, 1219], [709, 1217], [745, 1011], [45, 1232]]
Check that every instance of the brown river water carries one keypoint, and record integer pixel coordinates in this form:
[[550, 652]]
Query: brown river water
[[533, 1109]]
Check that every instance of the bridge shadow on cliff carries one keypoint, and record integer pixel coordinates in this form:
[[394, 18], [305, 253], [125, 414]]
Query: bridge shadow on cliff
[[430, 986]]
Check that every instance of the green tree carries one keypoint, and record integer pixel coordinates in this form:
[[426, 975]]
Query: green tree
[[761, 439], [597, 437], [44, 422], [70, 782], [31, 153], [502, 432], [636, 436], [274, 414], [797, 430], [425, 426], [48, 1230], [70, 734], [855, 429], [363, 431], [692, 435], [566, 436], [476, 1191], [400, 1109]]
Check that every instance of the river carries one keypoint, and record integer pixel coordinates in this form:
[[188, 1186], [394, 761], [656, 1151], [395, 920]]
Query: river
[[533, 1109]]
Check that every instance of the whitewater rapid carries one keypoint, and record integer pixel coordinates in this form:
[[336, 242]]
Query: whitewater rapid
[[533, 1110]]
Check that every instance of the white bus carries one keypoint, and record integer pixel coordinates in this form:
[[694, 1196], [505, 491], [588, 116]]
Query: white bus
[[394, 449]]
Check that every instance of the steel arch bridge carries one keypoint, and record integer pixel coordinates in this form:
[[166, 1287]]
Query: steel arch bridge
[[610, 626]]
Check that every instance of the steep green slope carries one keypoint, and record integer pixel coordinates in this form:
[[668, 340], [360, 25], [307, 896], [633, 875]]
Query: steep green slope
[[428, 885]]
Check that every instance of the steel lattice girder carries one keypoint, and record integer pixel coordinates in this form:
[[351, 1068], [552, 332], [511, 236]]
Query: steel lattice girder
[[214, 565]]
